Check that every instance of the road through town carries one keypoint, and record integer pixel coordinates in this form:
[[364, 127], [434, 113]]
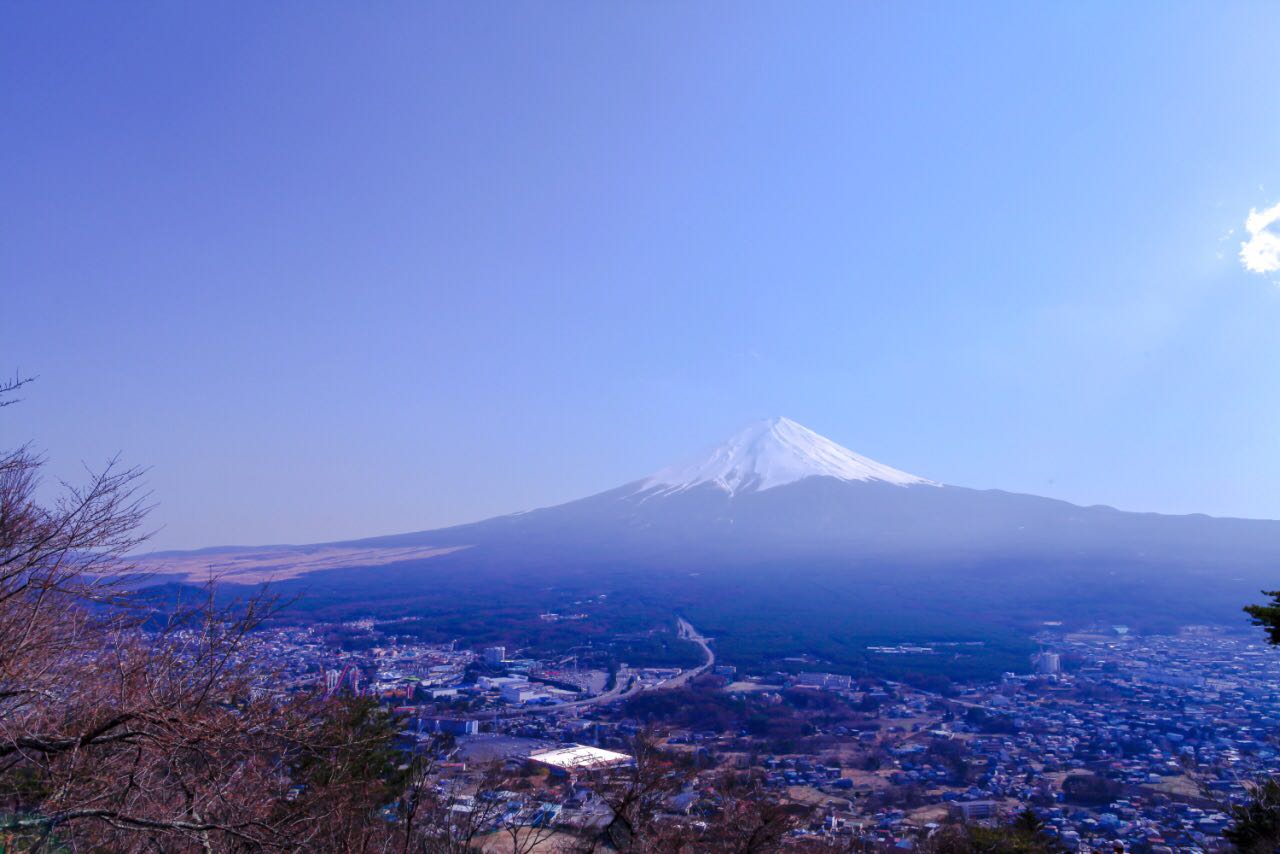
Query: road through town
[[627, 684]]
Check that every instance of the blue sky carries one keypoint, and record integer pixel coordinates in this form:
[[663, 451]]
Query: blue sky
[[336, 270]]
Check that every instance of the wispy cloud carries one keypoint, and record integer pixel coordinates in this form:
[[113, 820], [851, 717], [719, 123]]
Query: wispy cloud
[[1261, 252], [1226, 235]]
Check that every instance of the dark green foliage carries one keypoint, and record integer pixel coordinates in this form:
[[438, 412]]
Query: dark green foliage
[[702, 708], [1001, 840], [1028, 824], [988, 722], [355, 748], [937, 683], [1090, 789], [1256, 824], [758, 617], [953, 756], [1024, 835], [1267, 616], [688, 707]]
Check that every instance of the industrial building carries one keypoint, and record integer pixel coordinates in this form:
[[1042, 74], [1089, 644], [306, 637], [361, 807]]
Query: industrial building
[[575, 758]]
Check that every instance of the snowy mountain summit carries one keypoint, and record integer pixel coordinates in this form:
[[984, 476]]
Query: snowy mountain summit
[[771, 453]]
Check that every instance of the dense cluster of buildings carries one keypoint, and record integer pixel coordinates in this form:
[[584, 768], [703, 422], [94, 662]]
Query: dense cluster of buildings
[[1151, 738], [1112, 738], [406, 673]]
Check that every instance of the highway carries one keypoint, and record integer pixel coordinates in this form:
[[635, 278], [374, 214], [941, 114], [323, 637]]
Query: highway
[[689, 633], [627, 685]]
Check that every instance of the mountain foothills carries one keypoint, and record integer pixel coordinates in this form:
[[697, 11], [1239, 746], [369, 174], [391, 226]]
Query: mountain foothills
[[793, 552]]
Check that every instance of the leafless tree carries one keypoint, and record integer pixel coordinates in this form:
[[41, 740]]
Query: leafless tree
[[8, 387], [747, 821], [739, 818], [130, 728], [123, 731], [634, 799]]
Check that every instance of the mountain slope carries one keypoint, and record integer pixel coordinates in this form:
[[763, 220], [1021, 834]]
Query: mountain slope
[[782, 542]]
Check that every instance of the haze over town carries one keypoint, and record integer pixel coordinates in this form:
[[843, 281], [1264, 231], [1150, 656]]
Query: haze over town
[[694, 428]]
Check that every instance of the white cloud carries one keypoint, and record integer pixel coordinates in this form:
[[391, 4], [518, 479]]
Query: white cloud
[[1261, 252]]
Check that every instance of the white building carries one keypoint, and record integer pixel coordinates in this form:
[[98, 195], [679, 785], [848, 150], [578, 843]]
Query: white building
[[331, 679], [1048, 663], [492, 683], [579, 757], [520, 693]]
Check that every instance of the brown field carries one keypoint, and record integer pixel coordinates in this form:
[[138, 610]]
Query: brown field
[[750, 687], [1180, 785], [257, 566], [501, 842]]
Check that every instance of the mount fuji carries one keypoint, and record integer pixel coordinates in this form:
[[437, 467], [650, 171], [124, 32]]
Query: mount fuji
[[773, 453], [782, 542]]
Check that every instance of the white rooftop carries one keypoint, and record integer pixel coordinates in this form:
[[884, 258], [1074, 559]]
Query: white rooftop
[[579, 756]]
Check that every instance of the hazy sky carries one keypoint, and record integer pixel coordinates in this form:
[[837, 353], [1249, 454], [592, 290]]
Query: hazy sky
[[337, 270]]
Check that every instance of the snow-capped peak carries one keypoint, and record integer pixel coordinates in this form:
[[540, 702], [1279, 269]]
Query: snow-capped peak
[[771, 453]]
